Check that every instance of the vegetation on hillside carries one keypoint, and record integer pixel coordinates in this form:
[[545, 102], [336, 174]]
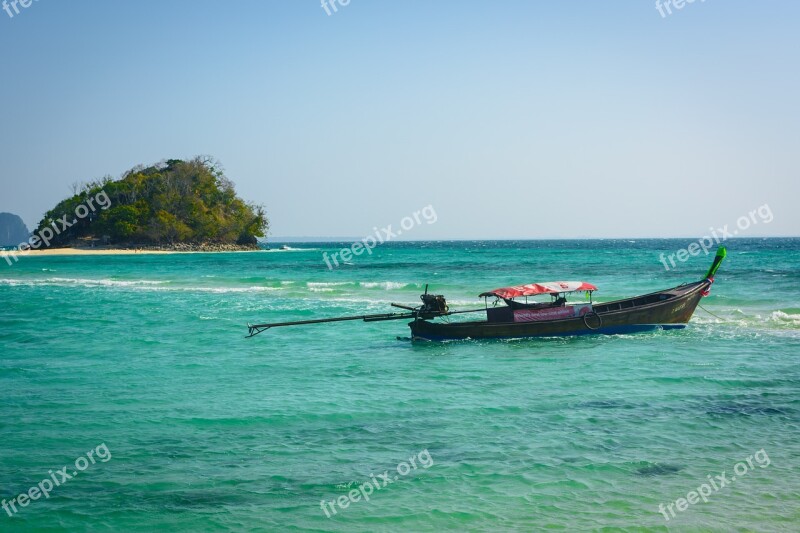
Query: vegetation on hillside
[[167, 203]]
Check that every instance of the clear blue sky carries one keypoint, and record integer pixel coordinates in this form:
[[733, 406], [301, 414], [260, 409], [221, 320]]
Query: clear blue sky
[[514, 119]]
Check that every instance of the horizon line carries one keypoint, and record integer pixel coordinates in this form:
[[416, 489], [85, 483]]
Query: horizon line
[[355, 239]]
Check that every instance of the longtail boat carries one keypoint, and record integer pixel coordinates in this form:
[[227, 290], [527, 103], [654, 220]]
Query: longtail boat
[[667, 309]]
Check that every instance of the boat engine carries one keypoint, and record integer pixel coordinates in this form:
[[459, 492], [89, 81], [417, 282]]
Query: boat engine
[[432, 305]]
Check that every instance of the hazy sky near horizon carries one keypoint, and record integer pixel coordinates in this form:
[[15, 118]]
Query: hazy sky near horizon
[[513, 119]]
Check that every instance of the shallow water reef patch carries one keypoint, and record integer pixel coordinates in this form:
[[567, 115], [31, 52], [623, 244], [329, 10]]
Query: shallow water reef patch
[[657, 469]]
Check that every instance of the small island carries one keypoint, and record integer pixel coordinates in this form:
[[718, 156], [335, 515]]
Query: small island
[[12, 230], [171, 206]]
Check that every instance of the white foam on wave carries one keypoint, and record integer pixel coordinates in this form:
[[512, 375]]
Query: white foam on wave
[[752, 319], [326, 284], [225, 290], [137, 285], [107, 282], [386, 285], [784, 318], [705, 319], [84, 282]]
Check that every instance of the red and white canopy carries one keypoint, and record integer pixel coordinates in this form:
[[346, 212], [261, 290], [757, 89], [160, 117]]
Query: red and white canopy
[[532, 289]]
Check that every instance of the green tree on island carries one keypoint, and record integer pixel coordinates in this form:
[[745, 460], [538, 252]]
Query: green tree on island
[[171, 202]]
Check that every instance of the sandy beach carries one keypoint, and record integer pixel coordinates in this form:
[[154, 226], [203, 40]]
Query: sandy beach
[[92, 251]]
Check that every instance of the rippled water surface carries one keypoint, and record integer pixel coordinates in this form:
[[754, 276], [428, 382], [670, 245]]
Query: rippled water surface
[[208, 431]]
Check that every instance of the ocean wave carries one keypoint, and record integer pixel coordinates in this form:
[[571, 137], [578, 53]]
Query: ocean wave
[[138, 285], [160, 285], [294, 250], [386, 285], [83, 282], [750, 319], [225, 290], [784, 319]]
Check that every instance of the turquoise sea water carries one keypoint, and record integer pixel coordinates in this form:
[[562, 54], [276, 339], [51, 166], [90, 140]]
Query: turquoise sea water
[[209, 431]]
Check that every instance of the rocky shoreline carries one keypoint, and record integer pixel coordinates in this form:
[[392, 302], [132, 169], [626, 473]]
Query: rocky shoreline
[[188, 247]]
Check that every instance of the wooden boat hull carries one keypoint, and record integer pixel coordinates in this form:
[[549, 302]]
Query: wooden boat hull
[[668, 309]]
